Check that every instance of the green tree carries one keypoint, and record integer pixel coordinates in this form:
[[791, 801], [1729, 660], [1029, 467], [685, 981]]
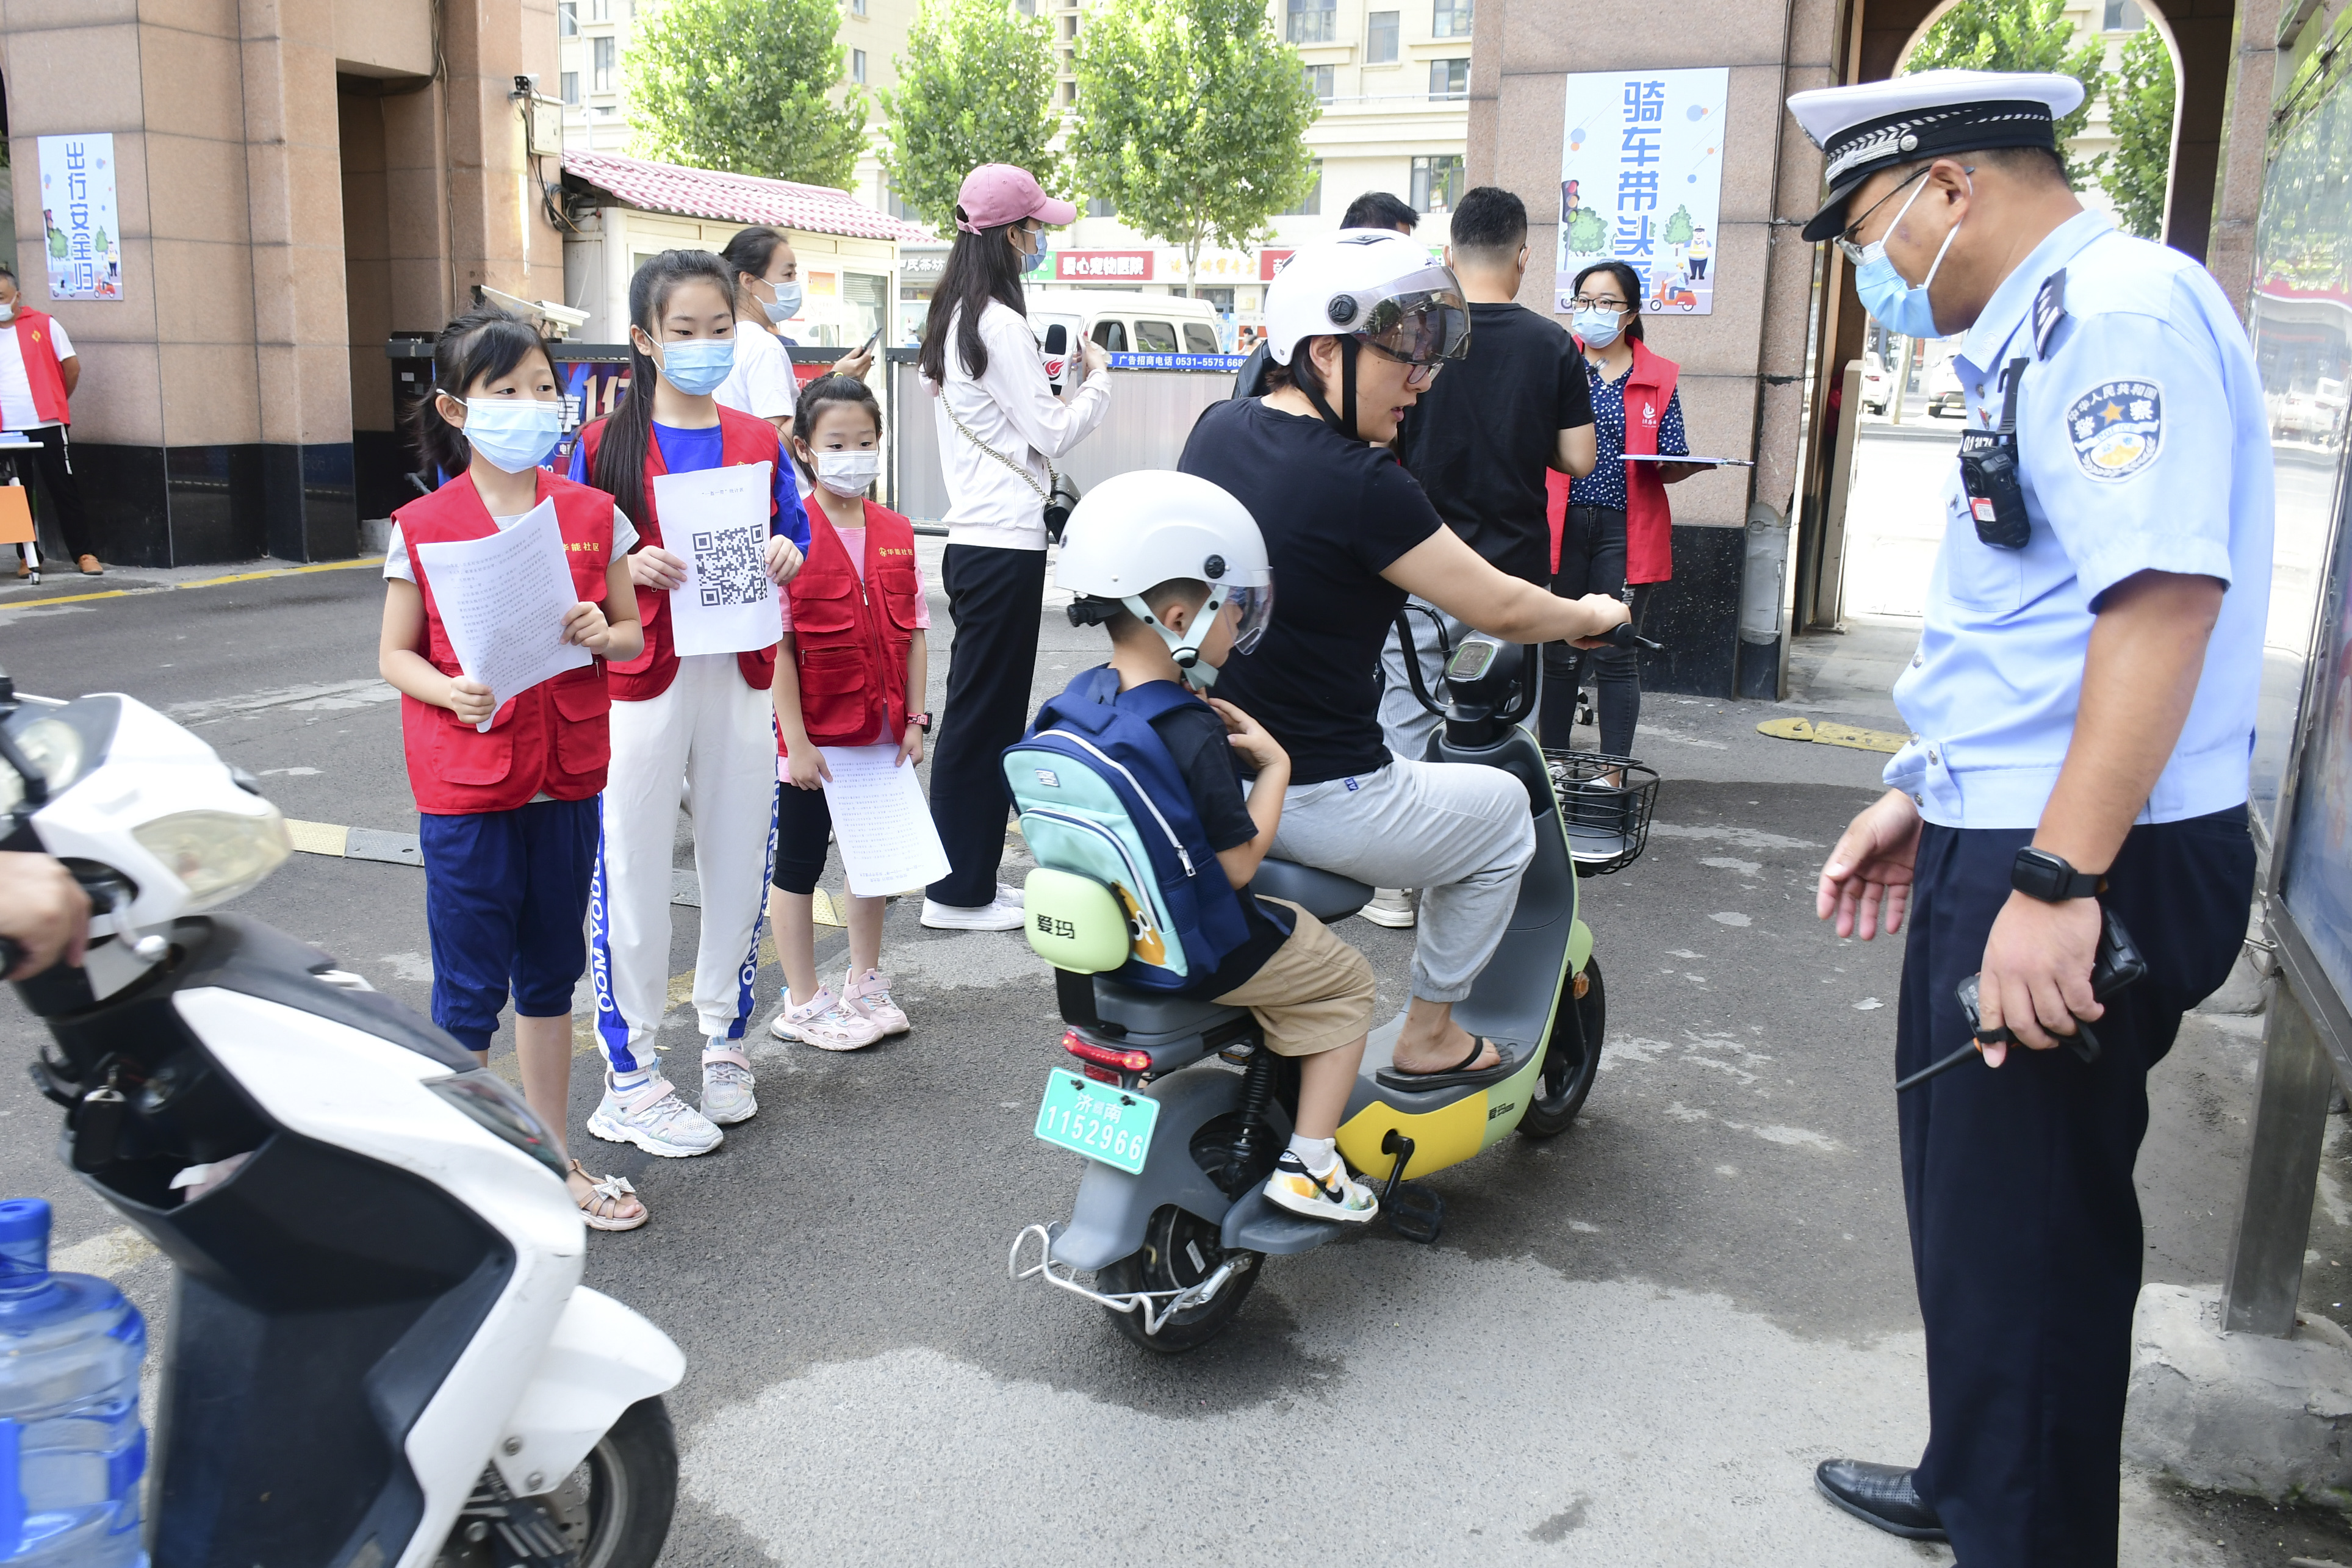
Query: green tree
[[976, 86], [1678, 227], [740, 85], [1587, 232], [2139, 111], [1192, 119], [2020, 36]]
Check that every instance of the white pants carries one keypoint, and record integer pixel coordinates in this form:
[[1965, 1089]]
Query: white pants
[[713, 730]]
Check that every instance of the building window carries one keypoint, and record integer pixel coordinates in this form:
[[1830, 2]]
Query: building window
[[1026, 7], [1381, 43], [1313, 21], [2122, 16], [857, 67], [1070, 95], [601, 65], [571, 88], [1319, 81], [567, 18], [1311, 204], [1437, 182], [1450, 19], [600, 10], [857, 7], [1101, 206], [1449, 79]]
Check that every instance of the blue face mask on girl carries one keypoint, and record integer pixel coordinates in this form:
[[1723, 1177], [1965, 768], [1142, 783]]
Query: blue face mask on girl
[[697, 366], [1893, 302], [1599, 329], [785, 305], [512, 434]]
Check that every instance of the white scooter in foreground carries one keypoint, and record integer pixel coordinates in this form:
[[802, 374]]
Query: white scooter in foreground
[[381, 1355]]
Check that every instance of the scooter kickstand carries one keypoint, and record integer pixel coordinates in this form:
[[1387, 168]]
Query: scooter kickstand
[[1413, 1213]]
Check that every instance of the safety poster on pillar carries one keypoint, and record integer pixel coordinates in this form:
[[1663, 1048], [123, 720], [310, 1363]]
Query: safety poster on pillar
[[84, 238], [1641, 179]]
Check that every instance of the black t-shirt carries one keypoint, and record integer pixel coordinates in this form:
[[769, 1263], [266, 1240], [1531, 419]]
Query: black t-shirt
[[1195, 737], [1335, 514], [1479, 438]]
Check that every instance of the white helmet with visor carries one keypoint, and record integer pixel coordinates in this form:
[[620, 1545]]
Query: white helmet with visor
[[1369, 288], [1138, 529]]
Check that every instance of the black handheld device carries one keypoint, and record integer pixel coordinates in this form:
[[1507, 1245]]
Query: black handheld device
[[2116, 964], [1990, 476]]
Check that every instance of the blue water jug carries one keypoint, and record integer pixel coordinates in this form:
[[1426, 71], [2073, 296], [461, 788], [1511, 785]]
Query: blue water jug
[[72, 1451]]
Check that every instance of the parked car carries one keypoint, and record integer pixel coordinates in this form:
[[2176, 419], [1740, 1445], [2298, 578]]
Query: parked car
[[1944, 391], [1127, 323], [1876, 385], [2316, 415]]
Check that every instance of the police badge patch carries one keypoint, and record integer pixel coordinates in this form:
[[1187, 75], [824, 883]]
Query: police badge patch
[[2117, 428]]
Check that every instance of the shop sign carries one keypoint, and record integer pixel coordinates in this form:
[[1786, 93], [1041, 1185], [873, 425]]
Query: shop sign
[[1641, 181], [1270, 262], [1102, 266], [1213, 266], [84, 237]]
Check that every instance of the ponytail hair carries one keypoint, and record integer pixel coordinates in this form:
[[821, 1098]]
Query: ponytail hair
[[483, 344], [826, 392], [981, 265], [620, 467], [751, 251], [1628, 281]]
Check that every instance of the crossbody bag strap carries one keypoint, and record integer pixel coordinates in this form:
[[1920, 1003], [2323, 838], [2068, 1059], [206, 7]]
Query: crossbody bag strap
[[1044, 496]]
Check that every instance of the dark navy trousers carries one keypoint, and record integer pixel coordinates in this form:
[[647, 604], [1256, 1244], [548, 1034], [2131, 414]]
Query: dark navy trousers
[[2025, 1224], [505, 896]]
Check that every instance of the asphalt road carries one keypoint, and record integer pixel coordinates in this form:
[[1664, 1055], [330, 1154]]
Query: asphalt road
[[1630, 1347]]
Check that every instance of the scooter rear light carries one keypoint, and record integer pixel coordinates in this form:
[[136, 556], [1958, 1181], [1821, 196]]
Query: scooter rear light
[[1103, 1056]]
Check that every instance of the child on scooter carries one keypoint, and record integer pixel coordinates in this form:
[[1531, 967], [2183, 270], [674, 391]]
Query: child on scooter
[[507, 816], [1312, 992], [850, 668]]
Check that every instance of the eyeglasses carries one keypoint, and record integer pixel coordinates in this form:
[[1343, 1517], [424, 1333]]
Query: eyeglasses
[[1846, 241], [1417, 377], [1608, 305]]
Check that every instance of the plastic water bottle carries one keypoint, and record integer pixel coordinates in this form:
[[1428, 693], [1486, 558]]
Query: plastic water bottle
[[72, 1451]]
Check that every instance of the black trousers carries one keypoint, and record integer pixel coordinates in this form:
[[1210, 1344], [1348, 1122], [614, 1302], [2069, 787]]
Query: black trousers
[[994, 597], [52, 471], [2025, 1226], [1592, 561]]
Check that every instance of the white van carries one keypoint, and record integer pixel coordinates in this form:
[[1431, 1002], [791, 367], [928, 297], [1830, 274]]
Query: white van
[[1126, 322]]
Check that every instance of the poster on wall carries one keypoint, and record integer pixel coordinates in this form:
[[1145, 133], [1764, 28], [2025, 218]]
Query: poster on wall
[[1640, 181], [84, 238]]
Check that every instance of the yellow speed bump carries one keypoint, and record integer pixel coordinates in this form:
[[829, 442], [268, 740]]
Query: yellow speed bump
[[1829, 732]]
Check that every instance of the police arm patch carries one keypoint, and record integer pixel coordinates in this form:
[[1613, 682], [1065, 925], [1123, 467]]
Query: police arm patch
[[2117, 428]]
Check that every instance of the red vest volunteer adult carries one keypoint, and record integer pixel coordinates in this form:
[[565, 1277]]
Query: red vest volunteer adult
[[36, 344], [1649, 519], [850, 635], [554, 737], [742, 438]]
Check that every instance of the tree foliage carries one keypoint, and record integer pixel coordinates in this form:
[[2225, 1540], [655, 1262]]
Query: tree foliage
[[976, 86], [1192, 118], [741, 86], [2139, 113], [2020, 36]]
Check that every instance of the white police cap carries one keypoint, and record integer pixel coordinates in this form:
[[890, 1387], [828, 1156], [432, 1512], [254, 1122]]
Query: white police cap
[[1876, 125]]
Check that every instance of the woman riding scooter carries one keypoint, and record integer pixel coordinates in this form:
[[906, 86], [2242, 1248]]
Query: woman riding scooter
[[1358, 325]]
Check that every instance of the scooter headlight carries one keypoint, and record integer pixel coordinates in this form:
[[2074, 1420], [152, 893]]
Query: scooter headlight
[[216, 854], [484, 1098], [55, 750]]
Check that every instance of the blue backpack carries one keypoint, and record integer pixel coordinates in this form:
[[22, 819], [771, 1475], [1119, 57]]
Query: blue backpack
[[1100, 796]]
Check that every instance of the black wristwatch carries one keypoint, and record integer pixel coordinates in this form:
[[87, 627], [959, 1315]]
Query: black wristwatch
[[921, 720], [2039, 874]]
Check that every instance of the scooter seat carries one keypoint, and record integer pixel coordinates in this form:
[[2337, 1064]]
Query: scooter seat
[[1151, 1017], [1326, 895]]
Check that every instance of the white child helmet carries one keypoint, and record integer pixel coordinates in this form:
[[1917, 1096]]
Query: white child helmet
[[1138, 529], [1365, 286]]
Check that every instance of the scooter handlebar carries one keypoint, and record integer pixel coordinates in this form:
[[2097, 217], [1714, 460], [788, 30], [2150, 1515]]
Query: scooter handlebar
[[1622, 635]]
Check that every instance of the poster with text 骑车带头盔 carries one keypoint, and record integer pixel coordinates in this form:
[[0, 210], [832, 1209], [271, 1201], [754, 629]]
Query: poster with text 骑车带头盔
[[1640, 181], [81, 233]]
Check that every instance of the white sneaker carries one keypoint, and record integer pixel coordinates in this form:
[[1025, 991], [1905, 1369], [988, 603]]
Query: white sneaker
[[1398, 909], [1333, 1195], [870, 998], [726, 1097], [824, 1022], [654, 1118], [999, 914]]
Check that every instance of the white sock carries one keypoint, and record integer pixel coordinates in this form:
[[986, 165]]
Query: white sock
[[624, 1081], [1317, 1154]]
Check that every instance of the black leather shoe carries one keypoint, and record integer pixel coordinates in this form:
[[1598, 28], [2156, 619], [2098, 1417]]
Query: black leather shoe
[[1882, 1495]]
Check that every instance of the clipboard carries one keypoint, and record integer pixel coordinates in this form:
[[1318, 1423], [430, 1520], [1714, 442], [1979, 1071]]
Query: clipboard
[[1693, 462], [15, 516]]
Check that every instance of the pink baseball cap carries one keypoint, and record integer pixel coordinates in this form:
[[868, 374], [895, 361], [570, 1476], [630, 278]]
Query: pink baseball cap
[[997, 194]]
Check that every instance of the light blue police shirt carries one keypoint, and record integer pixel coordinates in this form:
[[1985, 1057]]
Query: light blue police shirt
[[2144, 446]]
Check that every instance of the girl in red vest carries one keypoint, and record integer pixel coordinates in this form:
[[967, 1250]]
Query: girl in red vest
[[507, 815], [1612, 531], [851, 665], [700, 720]]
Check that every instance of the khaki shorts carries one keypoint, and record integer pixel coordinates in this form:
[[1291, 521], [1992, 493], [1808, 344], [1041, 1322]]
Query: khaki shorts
[[1314, 994]]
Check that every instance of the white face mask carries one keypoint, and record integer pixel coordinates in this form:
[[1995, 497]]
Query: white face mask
[[848, 474]]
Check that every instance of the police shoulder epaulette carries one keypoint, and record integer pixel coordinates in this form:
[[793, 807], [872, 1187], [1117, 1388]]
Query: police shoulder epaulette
[[2049, 310]]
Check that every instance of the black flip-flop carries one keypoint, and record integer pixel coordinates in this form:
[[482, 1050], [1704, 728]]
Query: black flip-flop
[[1454, 1077]]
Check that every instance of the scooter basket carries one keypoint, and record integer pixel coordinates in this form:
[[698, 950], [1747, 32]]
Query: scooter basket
[[1608, 824]]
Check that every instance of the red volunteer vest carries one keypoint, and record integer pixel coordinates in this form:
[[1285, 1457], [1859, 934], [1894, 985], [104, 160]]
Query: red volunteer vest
[[1649, 519], [742, 438], [850, 638], [36, 342], [554, 737]]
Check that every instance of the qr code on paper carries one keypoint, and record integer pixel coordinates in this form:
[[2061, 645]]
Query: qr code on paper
[[730, 567]]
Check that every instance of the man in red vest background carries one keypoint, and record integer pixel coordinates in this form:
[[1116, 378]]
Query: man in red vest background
[[38, 370]]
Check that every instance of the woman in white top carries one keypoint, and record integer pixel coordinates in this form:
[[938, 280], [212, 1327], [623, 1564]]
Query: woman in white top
[[768, 293], [999, 422]]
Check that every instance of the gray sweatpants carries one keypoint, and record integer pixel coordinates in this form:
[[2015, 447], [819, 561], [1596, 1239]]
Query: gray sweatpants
[[1405, 724], [1460, 831]]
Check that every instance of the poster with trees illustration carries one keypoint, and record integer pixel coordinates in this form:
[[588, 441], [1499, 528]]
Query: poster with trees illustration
[[1641, 181]]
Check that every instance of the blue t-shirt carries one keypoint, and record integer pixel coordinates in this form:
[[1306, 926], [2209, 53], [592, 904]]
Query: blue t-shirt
[[685, 451], [1605, 485]]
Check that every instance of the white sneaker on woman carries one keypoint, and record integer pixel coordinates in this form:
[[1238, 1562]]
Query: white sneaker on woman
[[654, 1118], [1396, 907], [1000, 913], [824, 1022]]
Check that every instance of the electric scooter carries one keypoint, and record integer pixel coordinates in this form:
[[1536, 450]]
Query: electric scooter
[[381, 1355], [1170, 1216]]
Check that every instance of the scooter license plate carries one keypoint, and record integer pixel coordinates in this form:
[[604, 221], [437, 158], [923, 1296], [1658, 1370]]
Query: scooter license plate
[[1100, 1120]]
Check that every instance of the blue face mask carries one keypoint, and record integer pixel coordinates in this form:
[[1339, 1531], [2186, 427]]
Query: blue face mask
[[1599, 329], [512, 434], [697, 366], [785, 305], [1893, 302]]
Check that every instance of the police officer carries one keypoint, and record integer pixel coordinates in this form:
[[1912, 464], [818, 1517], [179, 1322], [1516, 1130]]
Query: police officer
[[2081, 706]]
